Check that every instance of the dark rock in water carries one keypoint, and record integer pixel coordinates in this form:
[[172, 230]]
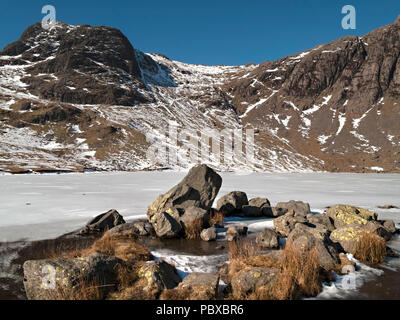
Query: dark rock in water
[[166, 226], [286, 223], [299, 207], [249, 280], [236, 232], [159, 276], [198, 189], [268, 239], [388, 206], [304, 238], [134, 228], [103, 222], [202, 285], [194, 213], [209, 234], [264, 205], [232, 203], [58, 279]]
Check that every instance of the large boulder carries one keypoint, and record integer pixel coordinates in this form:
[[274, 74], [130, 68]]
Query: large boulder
[[166, 226], [348, 237], [209, 234], [268, 239], [286, 223], [202, 286], [63, 279], [299, 207], [249, 280], [159, 275], [343, 215], [304, 238], [232, 203], [198, 189], [103, 222]]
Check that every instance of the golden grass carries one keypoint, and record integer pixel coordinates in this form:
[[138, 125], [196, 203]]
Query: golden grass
[[216, 217], [84, 291], [194, 229], [298, 276], [371, 248], [124, 248]]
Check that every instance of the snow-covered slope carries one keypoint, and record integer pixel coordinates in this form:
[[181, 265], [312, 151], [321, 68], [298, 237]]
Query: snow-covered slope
[[81, 97]]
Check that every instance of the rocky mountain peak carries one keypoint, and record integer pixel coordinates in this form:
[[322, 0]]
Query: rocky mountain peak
[[79, 64]]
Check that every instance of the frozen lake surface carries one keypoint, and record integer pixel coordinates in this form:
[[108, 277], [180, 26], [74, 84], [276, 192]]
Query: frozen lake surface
[[35, 207]]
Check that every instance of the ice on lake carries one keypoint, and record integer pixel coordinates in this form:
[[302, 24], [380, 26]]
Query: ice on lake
[[35, 207]]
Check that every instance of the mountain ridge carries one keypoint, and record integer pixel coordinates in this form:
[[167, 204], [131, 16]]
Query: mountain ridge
[[85, 98]]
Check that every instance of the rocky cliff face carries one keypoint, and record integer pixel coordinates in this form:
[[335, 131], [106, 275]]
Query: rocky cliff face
[[78, 97]]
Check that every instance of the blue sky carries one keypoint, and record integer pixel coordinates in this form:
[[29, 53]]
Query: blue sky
[[209, 31]]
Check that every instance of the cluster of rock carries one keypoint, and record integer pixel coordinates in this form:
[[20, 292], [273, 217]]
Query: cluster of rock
[[188, 205], [340, 227], [191, 200]]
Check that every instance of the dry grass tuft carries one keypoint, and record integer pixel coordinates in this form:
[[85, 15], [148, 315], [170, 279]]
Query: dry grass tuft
[[194, 229], [84, 291], [371, 248], [178, 294], [299, 272], [304, 269], [216, 217], [124, 248]]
